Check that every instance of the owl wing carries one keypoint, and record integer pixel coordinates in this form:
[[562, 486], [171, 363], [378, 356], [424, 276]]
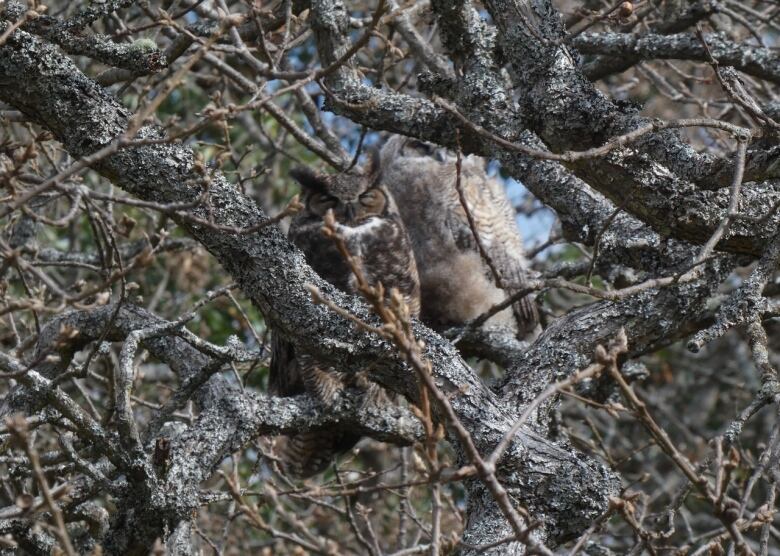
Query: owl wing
[[494, 220]]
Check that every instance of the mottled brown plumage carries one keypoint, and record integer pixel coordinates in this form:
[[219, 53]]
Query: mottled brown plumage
[[368, 220], [456, 283]]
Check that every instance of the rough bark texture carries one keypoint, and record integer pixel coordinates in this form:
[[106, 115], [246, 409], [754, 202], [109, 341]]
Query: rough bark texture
[[656, 180], [273, 274]]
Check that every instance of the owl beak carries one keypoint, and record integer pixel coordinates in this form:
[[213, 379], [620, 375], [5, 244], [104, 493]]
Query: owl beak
[[349, 212]]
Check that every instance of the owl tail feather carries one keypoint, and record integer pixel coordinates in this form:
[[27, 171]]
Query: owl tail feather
[[307, 454]]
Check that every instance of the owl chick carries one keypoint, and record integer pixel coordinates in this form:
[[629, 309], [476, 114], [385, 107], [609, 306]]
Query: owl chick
[[368, 220], [457, 285]]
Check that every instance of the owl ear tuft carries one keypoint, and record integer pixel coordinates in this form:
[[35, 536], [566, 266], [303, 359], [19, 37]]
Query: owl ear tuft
[[308, 179], [373, 167]]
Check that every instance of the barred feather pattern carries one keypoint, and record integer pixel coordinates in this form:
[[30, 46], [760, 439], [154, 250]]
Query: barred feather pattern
[[457, 284]]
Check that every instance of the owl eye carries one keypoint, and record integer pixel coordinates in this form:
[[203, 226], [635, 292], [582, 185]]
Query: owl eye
[[371, 198], [422, 148], [324, 200]]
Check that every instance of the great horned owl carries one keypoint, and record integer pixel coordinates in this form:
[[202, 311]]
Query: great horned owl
[[368, 220], [456, 283]]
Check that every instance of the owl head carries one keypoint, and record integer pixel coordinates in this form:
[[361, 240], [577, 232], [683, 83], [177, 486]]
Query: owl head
[[354, 196]]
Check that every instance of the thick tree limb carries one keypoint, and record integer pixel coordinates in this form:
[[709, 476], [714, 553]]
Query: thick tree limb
[[656, 179], [666, 24], [753, 60], [274, 274], [480, 91], [230, 419]]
